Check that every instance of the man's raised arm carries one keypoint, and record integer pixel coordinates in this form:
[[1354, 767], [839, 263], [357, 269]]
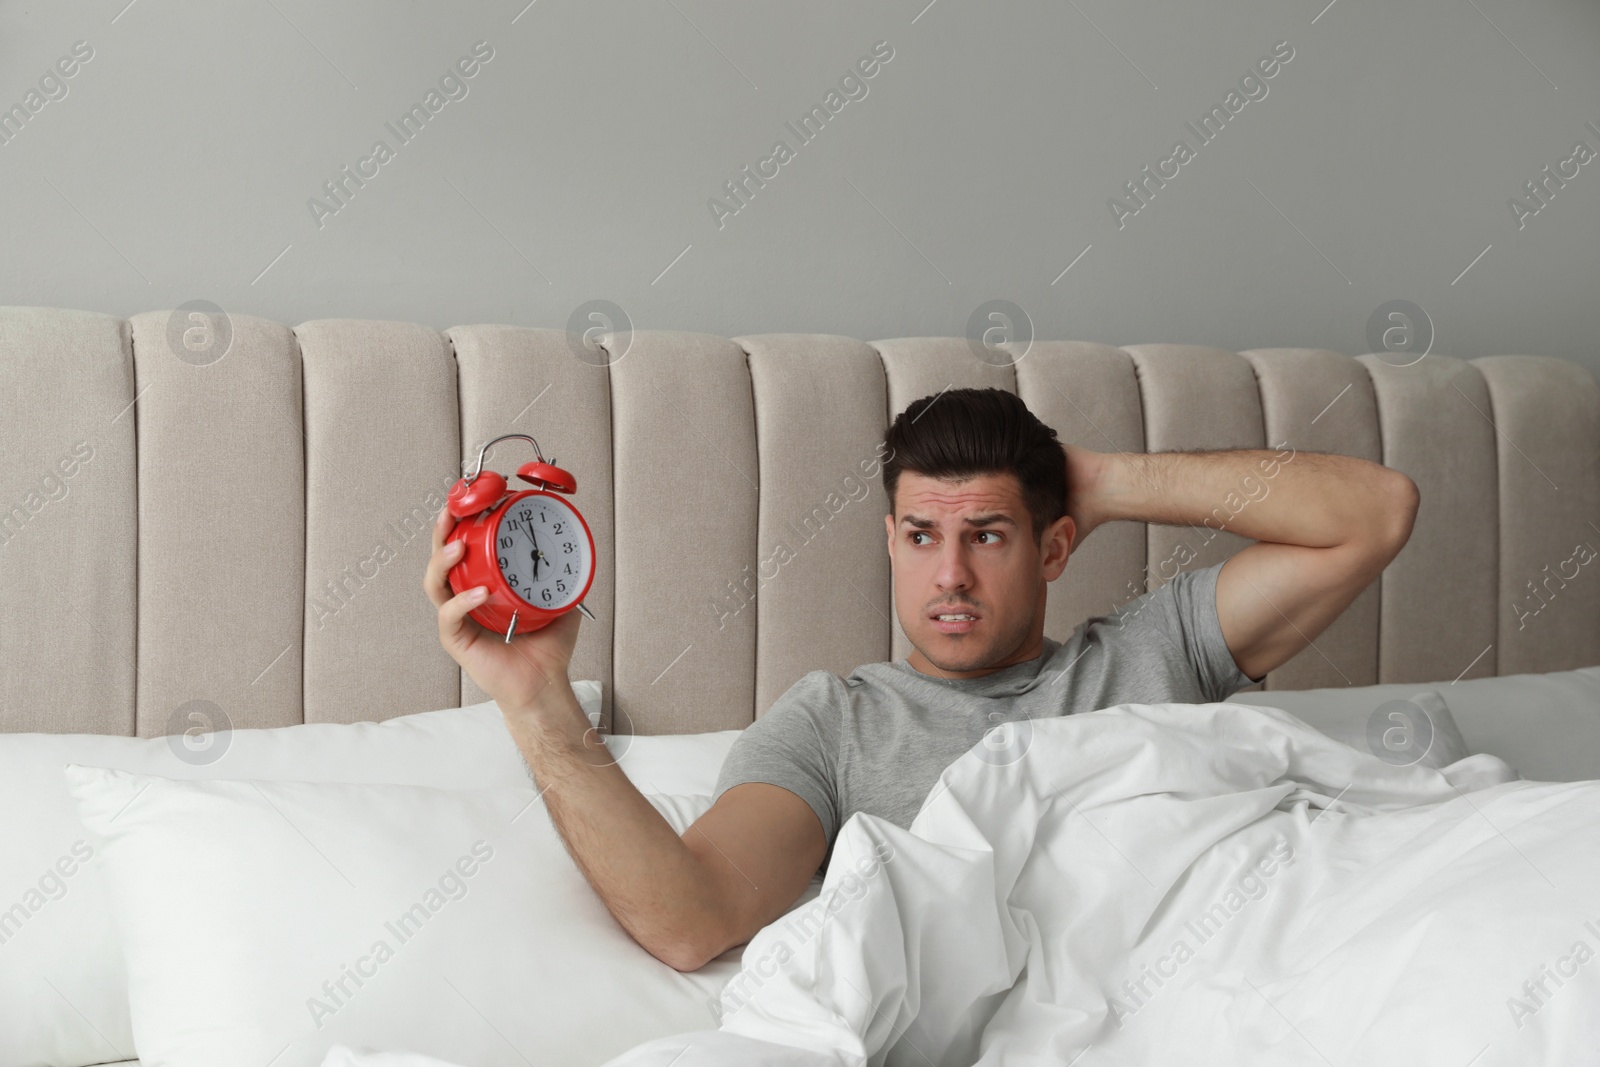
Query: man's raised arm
[[1327, 525]]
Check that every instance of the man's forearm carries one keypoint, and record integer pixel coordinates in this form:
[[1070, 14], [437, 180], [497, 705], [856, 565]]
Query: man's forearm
[[648, 878], [1314, 499]]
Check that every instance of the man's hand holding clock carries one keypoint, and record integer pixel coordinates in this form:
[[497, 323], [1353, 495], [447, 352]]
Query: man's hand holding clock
[[520, 675]]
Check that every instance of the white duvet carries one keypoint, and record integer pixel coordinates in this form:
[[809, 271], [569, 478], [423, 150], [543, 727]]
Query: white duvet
[[1181, 883]]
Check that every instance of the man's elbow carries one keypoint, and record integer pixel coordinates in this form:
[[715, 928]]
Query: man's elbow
[[679, 959], [688, 947], [1400, 512], [681, 955]]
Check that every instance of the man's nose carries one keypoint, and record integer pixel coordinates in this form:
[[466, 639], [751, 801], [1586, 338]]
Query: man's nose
[[955, 569]]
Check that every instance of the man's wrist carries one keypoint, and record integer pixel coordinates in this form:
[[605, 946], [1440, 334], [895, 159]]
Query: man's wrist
[[554, 714], [556, 692], [1088, 476], [1119, 481]]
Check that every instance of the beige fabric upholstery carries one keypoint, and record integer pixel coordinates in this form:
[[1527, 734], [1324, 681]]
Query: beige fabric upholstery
[[684, 455], [221, 528], [819, 587], [1548, 459], [1440, 599], [251, 533], [382, 436], [68, 527]]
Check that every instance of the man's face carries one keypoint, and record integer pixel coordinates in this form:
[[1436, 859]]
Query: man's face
[[966, 548]]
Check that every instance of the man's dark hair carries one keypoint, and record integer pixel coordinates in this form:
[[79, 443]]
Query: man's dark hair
[[960, 433]]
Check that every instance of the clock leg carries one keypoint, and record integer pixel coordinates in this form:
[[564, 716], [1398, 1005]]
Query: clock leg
[[586, 612], [512, 628]]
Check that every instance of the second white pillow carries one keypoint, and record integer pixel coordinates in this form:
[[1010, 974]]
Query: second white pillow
[[62, 984], [263, 922]]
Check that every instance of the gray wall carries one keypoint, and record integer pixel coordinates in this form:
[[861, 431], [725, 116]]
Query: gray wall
[[978, 165]]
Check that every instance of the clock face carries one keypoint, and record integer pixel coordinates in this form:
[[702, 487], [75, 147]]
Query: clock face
[[543, 552]]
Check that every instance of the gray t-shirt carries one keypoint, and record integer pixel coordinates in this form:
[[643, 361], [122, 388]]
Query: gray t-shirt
[[878, 740]]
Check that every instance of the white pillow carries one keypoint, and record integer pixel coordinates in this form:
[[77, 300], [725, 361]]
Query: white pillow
[[1402, 725], [1546, 725], [263, 922], [61, 970]]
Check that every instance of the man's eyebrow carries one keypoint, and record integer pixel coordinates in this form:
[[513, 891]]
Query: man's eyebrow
[[993, 518]]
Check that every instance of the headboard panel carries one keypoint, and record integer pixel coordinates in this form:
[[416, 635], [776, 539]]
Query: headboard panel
[[221, 530], [250, 534], [1439, 605], [819, 583], [684, 445], [1548, 522], [69, 522], [382, 432], [1321, 401]]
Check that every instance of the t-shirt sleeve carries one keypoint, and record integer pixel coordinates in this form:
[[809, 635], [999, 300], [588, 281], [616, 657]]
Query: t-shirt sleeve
[[1185, 609], [795, 745]]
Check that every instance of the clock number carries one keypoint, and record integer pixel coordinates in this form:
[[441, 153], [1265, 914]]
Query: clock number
[[502, 563], [546, 593], [569, 568], [556, 527], [566, 546], [506, 542], [561, 587], [512, 578]]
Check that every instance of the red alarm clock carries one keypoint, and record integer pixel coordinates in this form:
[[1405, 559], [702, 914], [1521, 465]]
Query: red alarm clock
[[531, 549]]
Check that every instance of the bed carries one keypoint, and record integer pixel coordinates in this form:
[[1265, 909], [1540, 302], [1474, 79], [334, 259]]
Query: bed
[[217, 522]]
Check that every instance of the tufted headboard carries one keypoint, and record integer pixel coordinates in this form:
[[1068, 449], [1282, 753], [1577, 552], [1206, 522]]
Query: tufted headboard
[[249, 531]]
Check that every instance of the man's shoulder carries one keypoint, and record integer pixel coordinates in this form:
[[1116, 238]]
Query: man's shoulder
[[821, 690], [817, 681], [812, 694], [1162, 609]]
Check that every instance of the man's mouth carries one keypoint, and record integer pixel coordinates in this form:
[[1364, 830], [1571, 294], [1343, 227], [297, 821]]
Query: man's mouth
[[953, 622]]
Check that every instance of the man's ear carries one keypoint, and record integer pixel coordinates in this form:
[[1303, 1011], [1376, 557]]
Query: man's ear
[[888, 532], [1057, 547]]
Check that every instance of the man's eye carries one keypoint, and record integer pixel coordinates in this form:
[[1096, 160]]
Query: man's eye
[[981, 533]]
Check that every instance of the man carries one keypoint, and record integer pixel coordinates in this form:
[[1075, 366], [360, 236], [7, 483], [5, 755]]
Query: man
[[986, 506]]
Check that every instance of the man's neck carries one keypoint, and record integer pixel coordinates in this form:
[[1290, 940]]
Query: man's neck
[[922, 665]]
